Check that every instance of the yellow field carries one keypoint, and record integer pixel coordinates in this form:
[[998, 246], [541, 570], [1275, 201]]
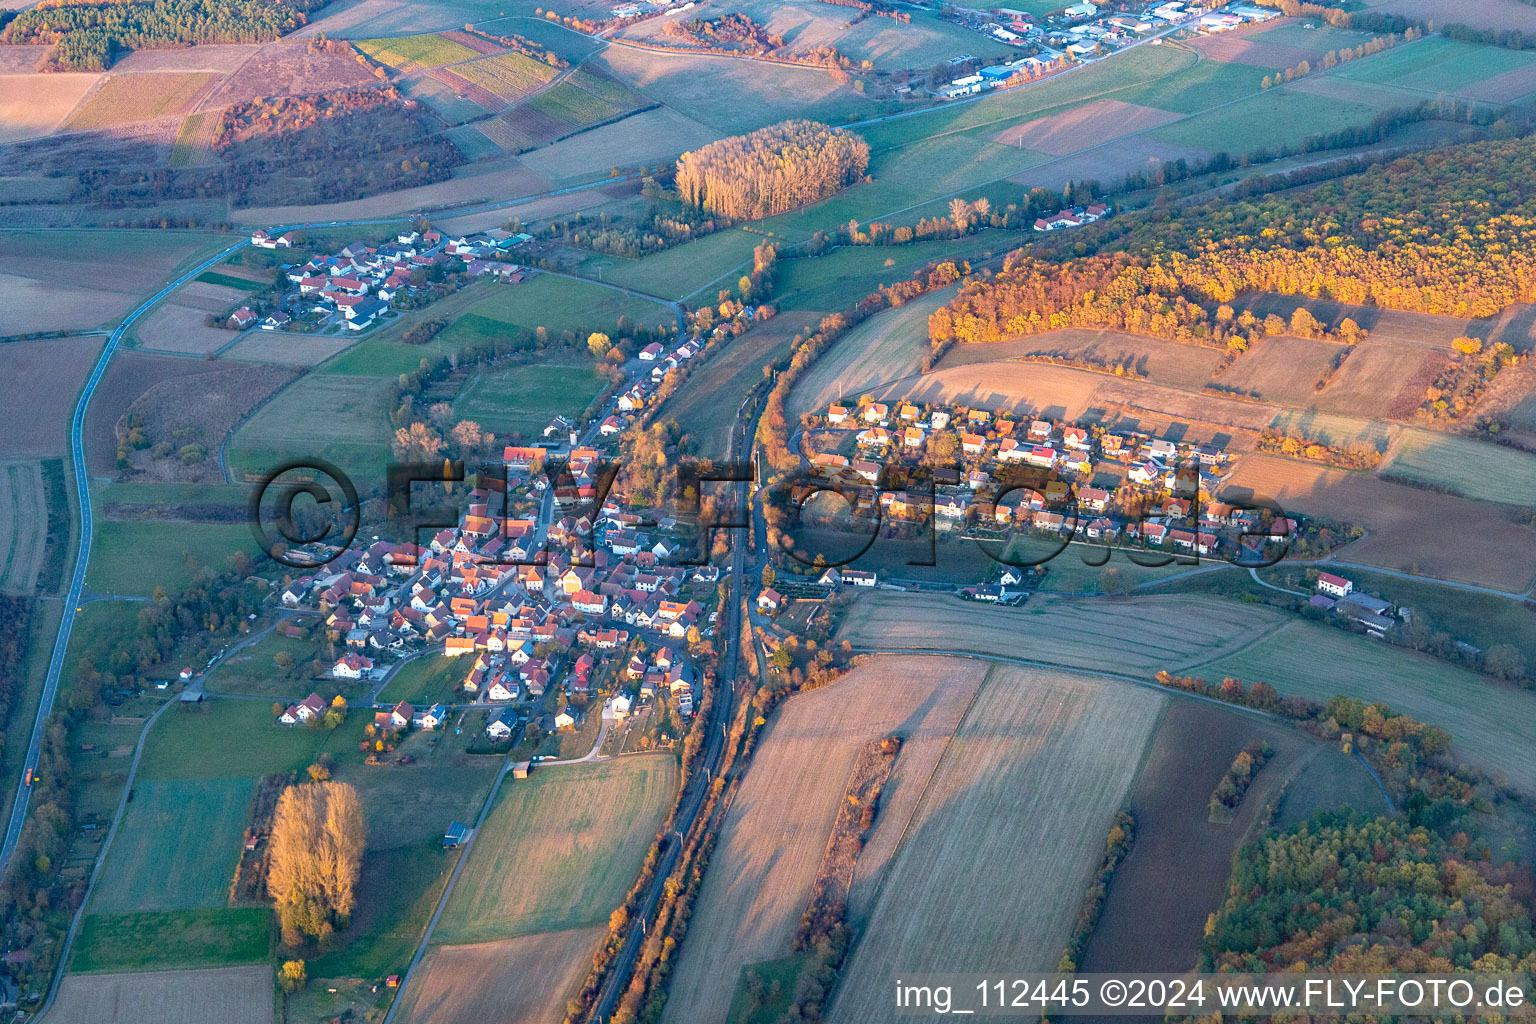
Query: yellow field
[[124, 98], [34, 105], [771, 844], [1135, 636], [994, 863], [514, 981], [226, 995]]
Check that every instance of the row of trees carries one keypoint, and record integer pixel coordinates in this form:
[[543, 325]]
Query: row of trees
[[1333, 58], [89, 36], [772, 170]]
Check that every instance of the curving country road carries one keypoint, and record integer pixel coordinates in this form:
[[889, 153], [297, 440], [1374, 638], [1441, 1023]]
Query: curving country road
[[77, 581]]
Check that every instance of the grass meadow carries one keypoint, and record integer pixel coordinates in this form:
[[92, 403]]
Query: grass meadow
[[523, 399], [1491, 723], [132, 558], [227, 738], [177, 847], [426, 680], [1472, 468], [560, 849], [409, 52], [183, 938]]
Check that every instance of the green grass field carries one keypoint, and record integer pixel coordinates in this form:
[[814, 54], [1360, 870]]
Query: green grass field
[[677, 272], [426, 680], [560, 849], [129, 492], [1490, 723], [398, 891], [177, 847], [160, 941], [426, 51], [572, 106], [839, 279], [1436, 64], [1481, 620], [1274, 118], [225, 739], [523, 399], [509, 76], [252, 671], [559, 304], [352, 432], [229, 281], [1467, 466], [133, 558], [1200, 87]]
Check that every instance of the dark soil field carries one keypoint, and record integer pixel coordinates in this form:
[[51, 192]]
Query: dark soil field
[[1177, 870], [45, 377]]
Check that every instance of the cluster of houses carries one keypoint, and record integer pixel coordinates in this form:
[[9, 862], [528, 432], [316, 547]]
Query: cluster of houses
[[1106, 485], [1337, 595], [1081, 31], [357, 284], [529, 606], [1073, 218]]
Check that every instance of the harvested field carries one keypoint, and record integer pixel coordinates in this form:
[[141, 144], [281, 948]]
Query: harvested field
[[1283, 370], [1408, 529], [1239, 46], [1381, 379], [213, 57], [774, 835], [22, 60], [705, 405], [228, 995], [23, 525], [289, 69], [1491, 724], [479, 44], [1504, 88], [1497, 15], [287, 349], [1031, 780], [644, 138], [889, 346], [35, 105], [525, 980], [200, 409], [1136, 636], [1083, 127], [581, 830], [174, 327], [39, 271], [1110, 162], [1177, 870], [497, 180], [120, 99], [1163, 362], [49, 374], [1059, 392], [1466, 466]]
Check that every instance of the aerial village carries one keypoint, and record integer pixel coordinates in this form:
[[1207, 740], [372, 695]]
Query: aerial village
[[353, 288]]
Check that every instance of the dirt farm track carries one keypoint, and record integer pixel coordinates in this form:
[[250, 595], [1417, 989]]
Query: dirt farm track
[[226, 995]]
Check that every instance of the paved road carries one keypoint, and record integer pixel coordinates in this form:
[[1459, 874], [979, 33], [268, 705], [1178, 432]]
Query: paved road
[[77, 581]]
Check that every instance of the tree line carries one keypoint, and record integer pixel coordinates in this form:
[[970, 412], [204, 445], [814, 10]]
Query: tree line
[[772, 170], [90, 36], [316, 853]]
